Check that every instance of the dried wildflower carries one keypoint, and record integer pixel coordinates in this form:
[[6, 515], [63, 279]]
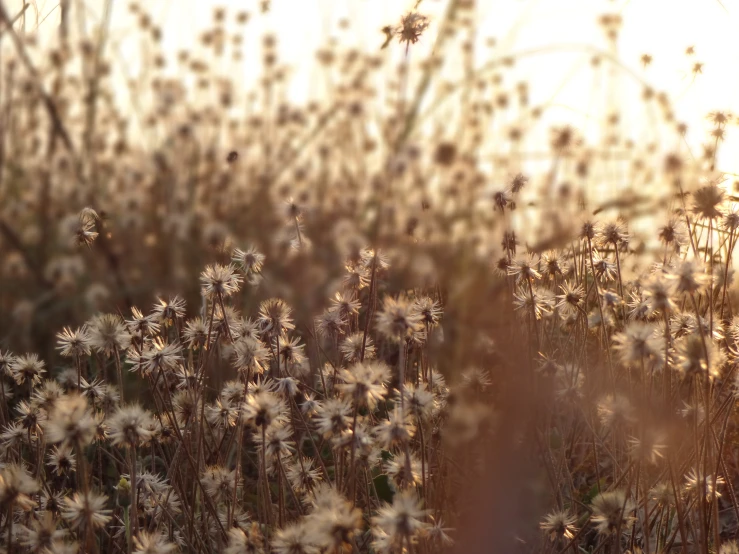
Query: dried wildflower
[[249, 261], [364, 383], [400, 521], [572, 299], [16, 488], [404, 472], [662, 494], [614, 234], [61, 460], [142, 325], [222, 414], [74, 343], [563, 139], [261, 409], [46, 394], [696, 484], [346, 304], [85, 234], [70, 422], [130, 426], [604, 268], [152, 543], [476, 380], [398, 321], [278, 443], [330, 323], [559, 525], [196, 334], [707, 202], [27, 369], [42, 536], [378, 258], [615, 411], [553, 265], [292, 354], [730, 221], [518, 182], [502, 199], [673, 234], [333, 523], [412, 25], [219, 483], [51, 501], [274, 317], [169, 311], [588, 231], [396, 430], [81, 510], [333, 417], [540, 302], [108, 334], [294, 539], [161, 356], [638, 342], [6, 363], [351, 348], [437, 533], [429, 310], [303, 476], [659, 294], [244, 327], [247, 540], [219, 281], [419, 401], [102, 396], [525, 269], [682, 324], [696, 356], [357, 276], [612, 512], [30, 417], [689, 277], [250, 355], [649, 449]]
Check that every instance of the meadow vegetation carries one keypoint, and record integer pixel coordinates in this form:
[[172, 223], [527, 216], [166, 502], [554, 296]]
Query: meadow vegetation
[[229, 323]]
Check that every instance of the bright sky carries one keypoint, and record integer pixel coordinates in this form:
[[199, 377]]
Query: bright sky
[[661, 28]]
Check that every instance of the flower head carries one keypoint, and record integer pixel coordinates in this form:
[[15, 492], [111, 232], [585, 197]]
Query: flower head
[[70, 421], [27, 369], [108, 334], [398, 321], [412, 25], [152, 543], [81, 510], [707, 201], [404, 518], [220, 281], [74, 343], [559, 525], [16, 488], [612, 511], [130, 426]]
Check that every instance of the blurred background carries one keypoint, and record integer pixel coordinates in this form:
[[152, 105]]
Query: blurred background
[[556, 42], [134, 109]]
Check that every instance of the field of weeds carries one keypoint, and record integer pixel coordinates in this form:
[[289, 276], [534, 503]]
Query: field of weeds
[[371, 322]]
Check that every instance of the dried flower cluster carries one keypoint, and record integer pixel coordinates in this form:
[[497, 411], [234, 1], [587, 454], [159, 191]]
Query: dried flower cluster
[[360, 326]]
